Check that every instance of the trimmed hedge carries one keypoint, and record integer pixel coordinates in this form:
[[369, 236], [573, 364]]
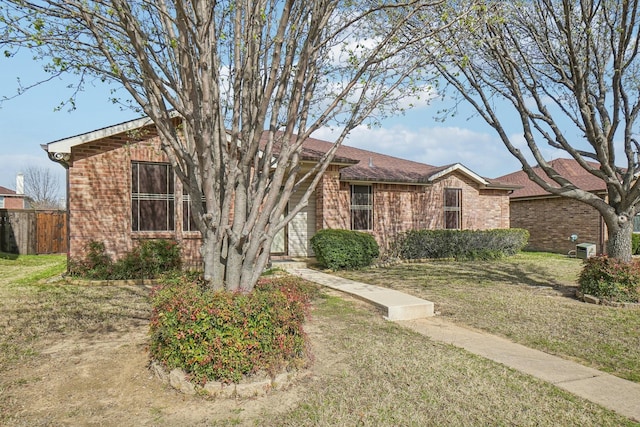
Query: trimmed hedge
[[460, 244], [344, 249], [224, 336], [611, 279], [635, 244]]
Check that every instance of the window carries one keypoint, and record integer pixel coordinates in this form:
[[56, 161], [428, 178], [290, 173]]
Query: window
[[361, 207], [636, 223], [188, 223], [1, 202], [152, 197], [452, 208]]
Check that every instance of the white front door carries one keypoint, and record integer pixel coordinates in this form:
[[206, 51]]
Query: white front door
[[302, 228], [279, 244]]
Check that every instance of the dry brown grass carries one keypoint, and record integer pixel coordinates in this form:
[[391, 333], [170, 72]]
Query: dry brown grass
[[33, 308], [385, 375], [367, 371], [528, 298]]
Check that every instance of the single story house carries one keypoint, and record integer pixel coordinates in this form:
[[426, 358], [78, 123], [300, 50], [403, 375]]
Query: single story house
[[551, 219], [361, 190]]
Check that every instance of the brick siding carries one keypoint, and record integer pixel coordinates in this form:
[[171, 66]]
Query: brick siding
[[401, 207], [100, 201], [551, 221], [13, 201], [100, 198]]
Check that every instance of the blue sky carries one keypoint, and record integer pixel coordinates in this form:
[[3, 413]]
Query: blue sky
[[30, 120]]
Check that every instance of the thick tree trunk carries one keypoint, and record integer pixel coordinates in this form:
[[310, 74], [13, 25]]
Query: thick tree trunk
[[214, 268], [619, 238], [235, 263]]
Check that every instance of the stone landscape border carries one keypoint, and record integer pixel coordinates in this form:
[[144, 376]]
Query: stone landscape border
[[256, 386], [590, 299]]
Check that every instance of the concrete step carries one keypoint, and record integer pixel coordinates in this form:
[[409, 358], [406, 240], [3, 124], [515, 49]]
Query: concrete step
[[397, 305]]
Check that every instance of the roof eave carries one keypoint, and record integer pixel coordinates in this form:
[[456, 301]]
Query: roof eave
[[549, 196], [508, 187], [360, 180], [460, 168], [65, 145]]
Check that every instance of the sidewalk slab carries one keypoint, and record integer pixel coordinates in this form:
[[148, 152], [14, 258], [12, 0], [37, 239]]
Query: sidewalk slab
[[607, 390], [614, 393], [397, 305]]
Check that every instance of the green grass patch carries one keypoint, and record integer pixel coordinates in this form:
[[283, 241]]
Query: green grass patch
[[32, 309], [384, 375], [528, 298], [367, 372], [21, 269]]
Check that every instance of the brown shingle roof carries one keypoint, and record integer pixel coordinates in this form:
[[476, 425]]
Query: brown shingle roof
[[5, 191], [375, 167], [370, 166], [360, 165], [568, 168]]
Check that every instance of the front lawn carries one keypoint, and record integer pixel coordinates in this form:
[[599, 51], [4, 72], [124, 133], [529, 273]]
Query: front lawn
[[528, 298], [77, 355]]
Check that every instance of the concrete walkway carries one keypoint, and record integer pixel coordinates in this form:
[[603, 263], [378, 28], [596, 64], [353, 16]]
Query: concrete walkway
[[614, 393], [396, 305]]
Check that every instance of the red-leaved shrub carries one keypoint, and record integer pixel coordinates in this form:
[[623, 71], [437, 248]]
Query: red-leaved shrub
[[224, 336], [611, 279]]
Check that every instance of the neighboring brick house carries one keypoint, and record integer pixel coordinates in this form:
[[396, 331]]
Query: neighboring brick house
[[121, 190], [10, 199], [551, 219]]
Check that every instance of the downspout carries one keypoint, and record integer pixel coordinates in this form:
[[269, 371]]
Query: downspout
[[63, 159]]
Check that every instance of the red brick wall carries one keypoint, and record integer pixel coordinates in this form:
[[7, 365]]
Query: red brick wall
[[551, 221], [100, 198], [481, 209], [332, 201], [13, 202], [399, 208], [100, 201]]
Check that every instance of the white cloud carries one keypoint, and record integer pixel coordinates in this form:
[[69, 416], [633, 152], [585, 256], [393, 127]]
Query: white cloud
[[438, 146]]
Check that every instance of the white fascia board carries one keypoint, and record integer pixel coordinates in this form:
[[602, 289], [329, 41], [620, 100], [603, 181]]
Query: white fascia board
[[460, 168], [65, 145]]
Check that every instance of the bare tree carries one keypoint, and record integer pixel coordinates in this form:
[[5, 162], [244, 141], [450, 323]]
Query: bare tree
[[231, 70], [42, 188], [569, 70]]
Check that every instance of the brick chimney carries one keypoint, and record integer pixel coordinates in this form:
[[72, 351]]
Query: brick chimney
[[20, 184]]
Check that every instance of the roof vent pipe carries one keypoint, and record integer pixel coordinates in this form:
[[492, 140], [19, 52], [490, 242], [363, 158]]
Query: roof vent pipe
[[371, 163]]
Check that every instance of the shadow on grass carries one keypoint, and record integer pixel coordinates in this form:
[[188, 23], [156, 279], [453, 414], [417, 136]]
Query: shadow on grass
[[553, 274], [8, 256], [537, 276]]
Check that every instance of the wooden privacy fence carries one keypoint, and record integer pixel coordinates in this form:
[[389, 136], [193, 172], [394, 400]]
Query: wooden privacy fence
[[29, 232]]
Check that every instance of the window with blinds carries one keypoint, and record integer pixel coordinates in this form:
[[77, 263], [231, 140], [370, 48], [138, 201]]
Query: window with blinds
[[152, 197], [361, 207], [453, 208]]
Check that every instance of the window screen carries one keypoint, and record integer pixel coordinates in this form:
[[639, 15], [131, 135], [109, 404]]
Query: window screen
[[361, 207], [452, 208], [152, 197]]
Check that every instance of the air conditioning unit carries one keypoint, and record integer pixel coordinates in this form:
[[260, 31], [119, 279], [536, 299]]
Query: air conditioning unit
[[585, 250]]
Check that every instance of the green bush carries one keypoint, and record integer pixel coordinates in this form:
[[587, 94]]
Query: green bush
[[148, 260], [611, 279], [635, 244], [96, 264], [344, 249], [459, 244], [224, 336]]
